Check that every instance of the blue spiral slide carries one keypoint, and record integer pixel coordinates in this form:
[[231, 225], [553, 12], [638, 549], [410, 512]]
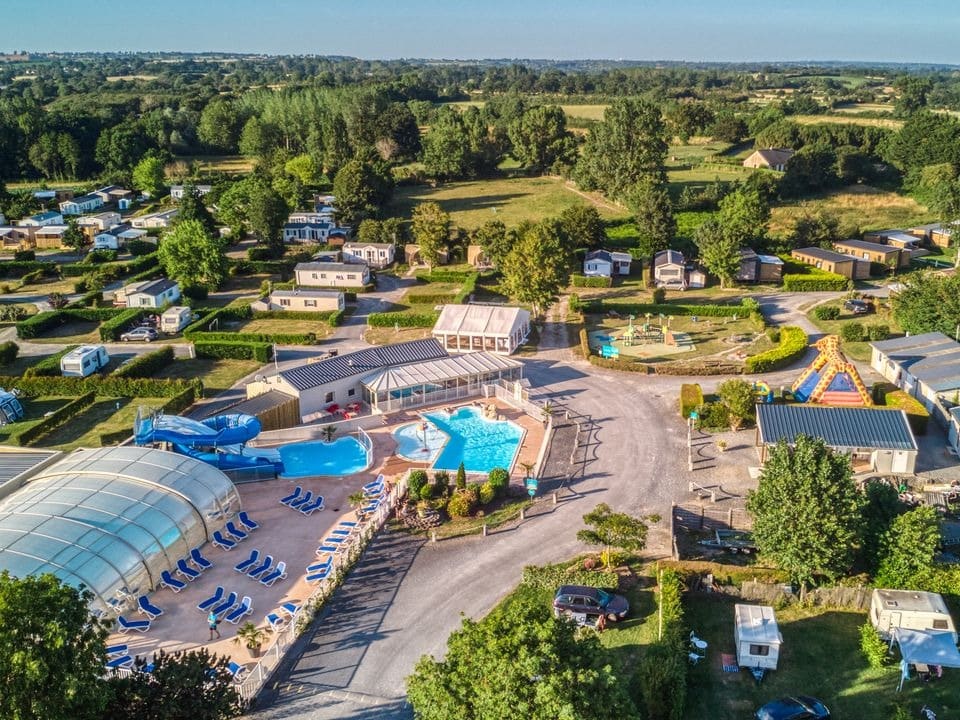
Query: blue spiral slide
[[219, 441]]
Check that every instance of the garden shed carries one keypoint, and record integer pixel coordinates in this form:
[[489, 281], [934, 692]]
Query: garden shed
[[756, 636]]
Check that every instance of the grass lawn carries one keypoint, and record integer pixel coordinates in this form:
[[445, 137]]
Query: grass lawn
[[820, 656], [76, 332], [510, 200], [102, 417], [387, 335], [45, 287], [17, 367], [216, 375], [270, 326], [231, 164], [849, 120], [433, 288], [856, 350], [34, 410], [858, 206]]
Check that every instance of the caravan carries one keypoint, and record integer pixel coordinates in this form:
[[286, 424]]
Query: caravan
[[84, 360], [910, 610], [174, 319], [757, 637]]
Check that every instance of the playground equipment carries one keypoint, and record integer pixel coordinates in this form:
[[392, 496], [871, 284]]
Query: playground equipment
[[763, 392], [10, 408], [831, 379], [219, 441]]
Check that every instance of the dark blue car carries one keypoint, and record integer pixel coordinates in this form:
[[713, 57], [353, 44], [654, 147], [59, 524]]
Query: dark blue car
[[799, 707]]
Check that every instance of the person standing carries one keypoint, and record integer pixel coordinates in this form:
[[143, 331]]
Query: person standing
[[212, 622]]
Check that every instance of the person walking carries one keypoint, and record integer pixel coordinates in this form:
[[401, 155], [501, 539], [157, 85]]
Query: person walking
[[212, 622]]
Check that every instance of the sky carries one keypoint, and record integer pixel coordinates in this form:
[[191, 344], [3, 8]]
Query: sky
[[923, 31]]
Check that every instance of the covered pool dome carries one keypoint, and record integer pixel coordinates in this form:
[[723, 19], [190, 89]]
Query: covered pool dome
[[112, 519]]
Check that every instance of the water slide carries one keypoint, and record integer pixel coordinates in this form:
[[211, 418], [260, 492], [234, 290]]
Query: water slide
[[219, 441]]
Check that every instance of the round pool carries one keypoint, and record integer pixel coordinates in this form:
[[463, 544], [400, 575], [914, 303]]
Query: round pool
[[343, 456], [416, 445]]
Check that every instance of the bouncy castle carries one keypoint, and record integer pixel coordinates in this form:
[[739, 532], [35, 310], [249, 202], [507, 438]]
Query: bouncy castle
[[831, 379]]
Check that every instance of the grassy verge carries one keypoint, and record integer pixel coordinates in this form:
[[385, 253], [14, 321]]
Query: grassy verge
[[388, 335], [855, 350], [104, 416], [18, 366], [78, 332], [34, 410], [270, 326], [216, 375], [507, 512]]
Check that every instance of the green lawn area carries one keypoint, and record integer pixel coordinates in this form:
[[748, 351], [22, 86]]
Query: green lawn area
[[433, 288], [76, 332], [17, 367], [820, 656], [271, 326], [510, 200], [105, 415], [34, 410], [388, 335], [216, 375], [44, 287], [230, 164], [856, 350], [858, 206]]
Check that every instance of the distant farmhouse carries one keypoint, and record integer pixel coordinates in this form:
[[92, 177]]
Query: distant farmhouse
[[769, 159]]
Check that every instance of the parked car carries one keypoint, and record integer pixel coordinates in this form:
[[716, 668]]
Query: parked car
[[799, 707], [139, 334], [857, 307], [573, 600]]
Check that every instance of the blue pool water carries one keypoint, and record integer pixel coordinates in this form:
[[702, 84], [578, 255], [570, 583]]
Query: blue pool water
[[479, 443], [412, 445], [343, 456]]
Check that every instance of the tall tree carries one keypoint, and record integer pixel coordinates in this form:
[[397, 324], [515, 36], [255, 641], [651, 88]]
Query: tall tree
[[744, 216], [928, 302], [627, 145], [446, 148], [120, 147], [359, 191], [649, 201], [193, 207], [73, 236], [495, 240], [219, 126], [583, 226], [519, 662], [148, 176], [908, 548], [806, 510], [257, 138], [189, 254], [266, 213], [719, 251], [881, 506], [541, 140], [537, 267], [430, 227], [613, 530], [51, 651]]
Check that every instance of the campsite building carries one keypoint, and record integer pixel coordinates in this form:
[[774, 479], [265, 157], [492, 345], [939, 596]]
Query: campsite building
[[148, 293], [606, 263], [301, 300], [926, 366], [877, 441], [887, 255], [376, 255], [756, 268], [756, 636], [834, 262], [910, 609], [472, 328], [328, 274], [670, 269]]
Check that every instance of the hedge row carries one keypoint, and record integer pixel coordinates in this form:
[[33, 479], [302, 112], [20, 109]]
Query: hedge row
[[110, 330], [889, 395], [692, 367], [448, 276], [553, 576], [331, 317], [57, 418], [590, 281], [402, 319], [639, 309], [691, 396], [120, 269], [180, 402], [430, 298], [261, 352], [114, 438], [283, 268], [468, 288], [792, 346], [49, 366], [146, 365], [19, 268], [816, 283], [109, 386], [662, 671], [43, 322], [242, 337], [8, 352]]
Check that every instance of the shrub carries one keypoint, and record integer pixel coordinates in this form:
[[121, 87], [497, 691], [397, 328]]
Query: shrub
[[441, 481], [146, 365], [417, 479], [818, 282], [461, 477], [96, 257], [461, 504], [499, 478], [8, 352], [259, 351], [826, 312], [853, 332], [12, 313], [878, 332], [426, 492], [487, 493], [195, 292], [793, 345], [691, 397], [713, 416], [17, 269], [553, 576], [24, 256], [49, 366], [889, 395], [138, 248], [662, 672], [260, 252], [590, 281], [32, 278], [659, 296], [402, 319], [872, 646]]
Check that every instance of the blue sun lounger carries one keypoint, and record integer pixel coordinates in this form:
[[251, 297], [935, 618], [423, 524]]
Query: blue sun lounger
[[244, 608], [244, 565], [186, 571], [290, 608], [114, 650], [235, 531], [199, 560], [261, 568], [222, 542], [295, 495], [168, 580], [322, 565], [310, 507], [278, 573], [128, 625], [301, 501], [318, 575], [119, 662], [275, 622], [225, 605], [217, 596], [148, 608], [248, 524], [237, 671]]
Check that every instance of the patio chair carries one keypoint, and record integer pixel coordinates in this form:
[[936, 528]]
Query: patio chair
[[248, 524], [148, 608], [186, 571], [114, 650], [315, 567], [278, 573], [258, 570], [236, 532], [297, 492], [120, 662], [309, 508], [225, 605], [244, 565], [244, 608], [290, 608], [696, 642], [317, 576], [275, 622], [301, 501], [372, 507], [217, 596], [376, 483], [237, 671], [199, 560], [128, 625], [168, 580], [222, 542]]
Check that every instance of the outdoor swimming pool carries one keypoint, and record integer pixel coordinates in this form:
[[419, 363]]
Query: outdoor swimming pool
[[343, 456], [464, 436]]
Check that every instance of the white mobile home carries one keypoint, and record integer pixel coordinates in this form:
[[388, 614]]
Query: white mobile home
[[174, 319], [84, 360], [911, 610], [756, 636]]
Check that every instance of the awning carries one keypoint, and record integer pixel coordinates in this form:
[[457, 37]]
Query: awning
[[928, 647]]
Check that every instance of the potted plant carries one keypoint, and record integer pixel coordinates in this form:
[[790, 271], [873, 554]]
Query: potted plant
[[251, 636], [546, 411], [721, 445], [328, 431], [357, 500]]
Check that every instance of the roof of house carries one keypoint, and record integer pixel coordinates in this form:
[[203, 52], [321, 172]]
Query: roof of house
[[48, 215], [756, 624], [45, 194], [932, 358], [840, 427], [150, 287], [498, 320], [902, 237], [85, 198], [822, 254], [599, 255], [361, 362], [775, 156], [52, 229], [666, 257], [306, 293], [17, 462], [433, 371], [116, 230], [327, 267], [199, 188], [358, 245], [867, 246], [301, 225]]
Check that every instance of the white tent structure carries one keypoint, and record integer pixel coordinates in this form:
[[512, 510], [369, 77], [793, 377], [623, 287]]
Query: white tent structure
[[475, 328], [925, 647]]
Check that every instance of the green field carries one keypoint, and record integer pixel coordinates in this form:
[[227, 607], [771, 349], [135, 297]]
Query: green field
[[216, 375], [106, 415], [510, 200], [230, 164], [859, 206], [848, 120], [34, 410]]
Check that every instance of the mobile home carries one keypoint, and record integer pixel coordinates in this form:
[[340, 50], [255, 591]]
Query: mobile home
[[84, 360], [756, 636], [174, 319], [911, 610]]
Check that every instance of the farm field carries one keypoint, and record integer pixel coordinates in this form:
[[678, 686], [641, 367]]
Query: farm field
[[857, 206], [230, 164], [510, 200], [848, 120]]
